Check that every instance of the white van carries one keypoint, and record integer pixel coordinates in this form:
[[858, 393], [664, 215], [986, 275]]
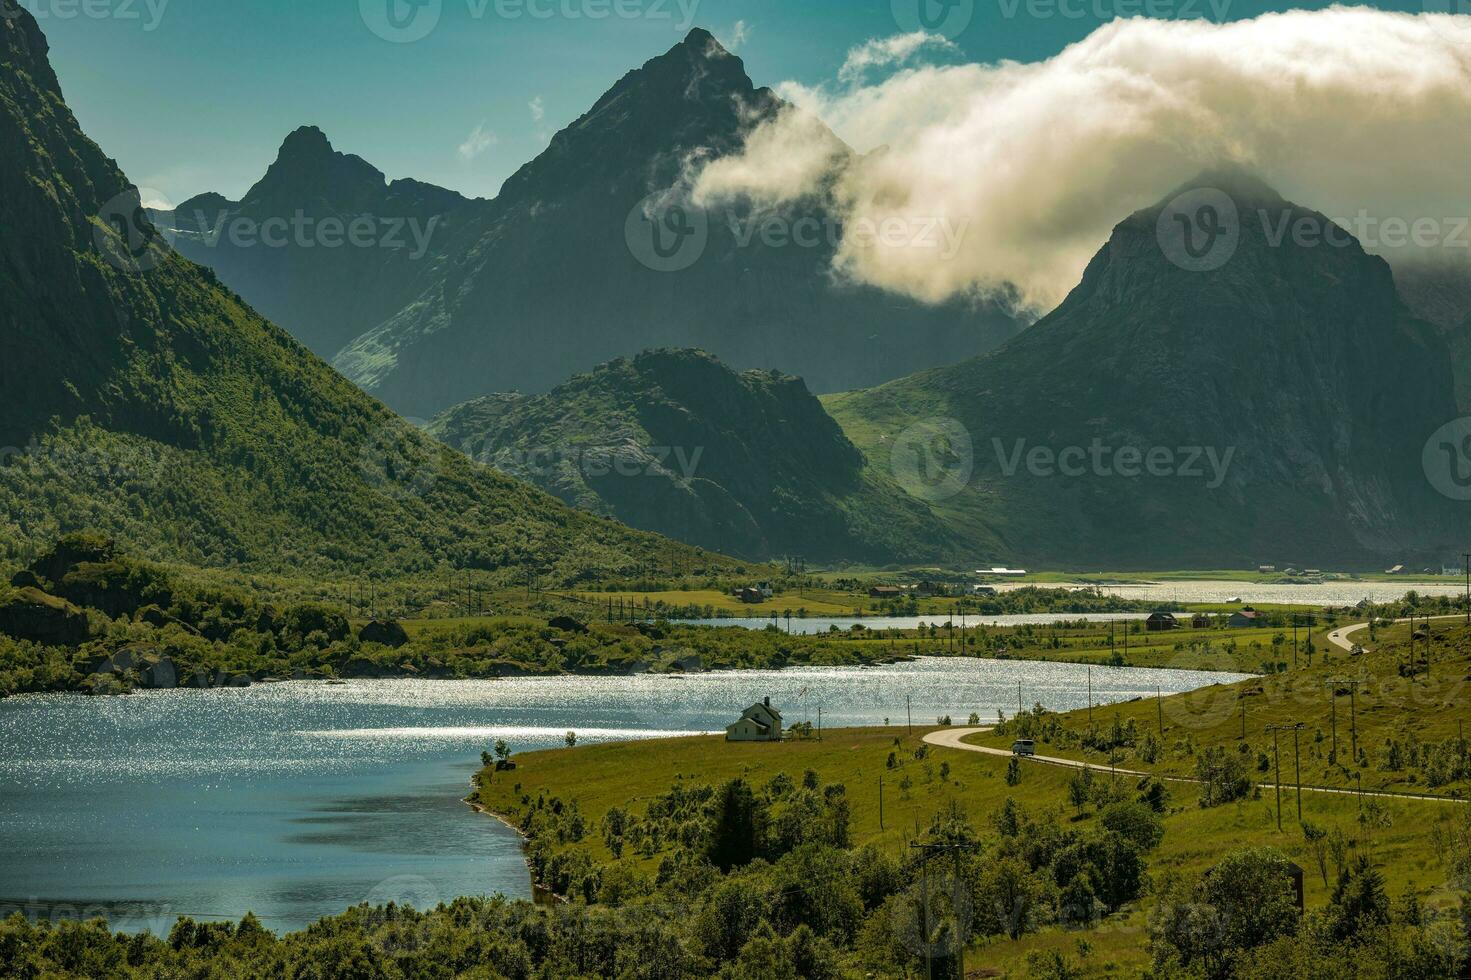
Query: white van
[[1024, 746]]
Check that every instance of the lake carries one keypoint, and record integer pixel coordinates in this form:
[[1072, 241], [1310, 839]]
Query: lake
[[299, 800], [822, 624]]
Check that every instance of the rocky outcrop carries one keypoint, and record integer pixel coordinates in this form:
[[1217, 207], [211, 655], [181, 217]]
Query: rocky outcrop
[[30, 614], [385, 632]]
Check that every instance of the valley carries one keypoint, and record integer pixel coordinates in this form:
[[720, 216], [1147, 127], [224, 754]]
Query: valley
[[633, 551]]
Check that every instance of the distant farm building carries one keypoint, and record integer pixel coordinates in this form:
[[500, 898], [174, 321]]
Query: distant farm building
[[886, 592], [1266, 569], [1202, 621], [1244, 618], [983, 590], [1161, 621], [758, 723], [1002, 570], [750, 595]]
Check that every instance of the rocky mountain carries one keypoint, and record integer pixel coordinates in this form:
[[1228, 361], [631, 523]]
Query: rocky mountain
[[590, 253], [1440, 294], [676, 442], [323, 244], [150, 403], [1212, 394]]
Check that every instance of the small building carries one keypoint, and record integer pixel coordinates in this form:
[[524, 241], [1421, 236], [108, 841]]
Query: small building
[[1244, 619], [885, 592], [751, 596], [1396, 570], [1160, 621], [1202, 621], [1266, 569], [1002, 571], [926, 590], [983, 590], [758, 723]]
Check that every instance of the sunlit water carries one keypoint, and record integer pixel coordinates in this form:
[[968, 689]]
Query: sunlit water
[[1345, 593], [299, 800]]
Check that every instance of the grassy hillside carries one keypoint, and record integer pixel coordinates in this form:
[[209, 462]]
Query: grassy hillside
[[921, 784], [674, 441], [1410, 730], [149, 402]]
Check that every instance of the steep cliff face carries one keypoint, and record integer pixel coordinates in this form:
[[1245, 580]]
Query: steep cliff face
[[148, 402], [1292, 355], [674, 441], [572, 264]]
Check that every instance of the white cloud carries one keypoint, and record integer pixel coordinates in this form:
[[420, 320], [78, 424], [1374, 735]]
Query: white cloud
[[480, 140], [737, 36], [889, 52], [538, 109], [1343, 110]]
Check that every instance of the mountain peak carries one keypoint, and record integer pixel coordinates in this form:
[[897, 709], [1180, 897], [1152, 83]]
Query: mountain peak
[[308, 169], [308, 141], [704, 44], [1239, 182]]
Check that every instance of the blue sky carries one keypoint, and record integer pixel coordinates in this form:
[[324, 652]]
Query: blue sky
[[195, 95]]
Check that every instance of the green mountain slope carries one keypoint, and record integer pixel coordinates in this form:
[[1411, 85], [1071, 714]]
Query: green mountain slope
[[143, 399], [676, 442], [1297, 366]]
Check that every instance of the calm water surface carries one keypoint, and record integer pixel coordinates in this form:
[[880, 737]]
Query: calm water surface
[[298, 800]]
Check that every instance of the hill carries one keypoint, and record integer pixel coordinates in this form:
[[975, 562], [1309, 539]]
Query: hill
[[565, 254], [674, 441], [154, 405], [1268, 407]]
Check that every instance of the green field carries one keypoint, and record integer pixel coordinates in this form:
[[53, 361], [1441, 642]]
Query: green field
[[627, 775]]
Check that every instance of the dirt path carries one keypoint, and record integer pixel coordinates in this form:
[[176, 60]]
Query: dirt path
[[950, 738]]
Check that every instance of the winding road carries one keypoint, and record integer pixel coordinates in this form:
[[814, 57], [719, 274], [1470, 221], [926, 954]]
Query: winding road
[[951, 738], [1339, 637]]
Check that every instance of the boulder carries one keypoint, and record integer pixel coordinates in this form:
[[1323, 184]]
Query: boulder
[[567, 624], [27, 579], [30, 614], [386, 632]]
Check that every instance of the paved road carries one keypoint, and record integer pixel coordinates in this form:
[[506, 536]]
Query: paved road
[[1339, 637], [950, 738]]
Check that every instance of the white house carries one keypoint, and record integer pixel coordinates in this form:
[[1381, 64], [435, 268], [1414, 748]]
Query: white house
[[758, 723]]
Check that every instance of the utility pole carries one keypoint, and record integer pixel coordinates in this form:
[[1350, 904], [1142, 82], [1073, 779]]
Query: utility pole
[[1294, 641], [1277, 756], [1353, 718], [958, 936], [908, 716], [1467, 556], [881, 801], [819, 723], [1333, 714], [1159, 707]]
